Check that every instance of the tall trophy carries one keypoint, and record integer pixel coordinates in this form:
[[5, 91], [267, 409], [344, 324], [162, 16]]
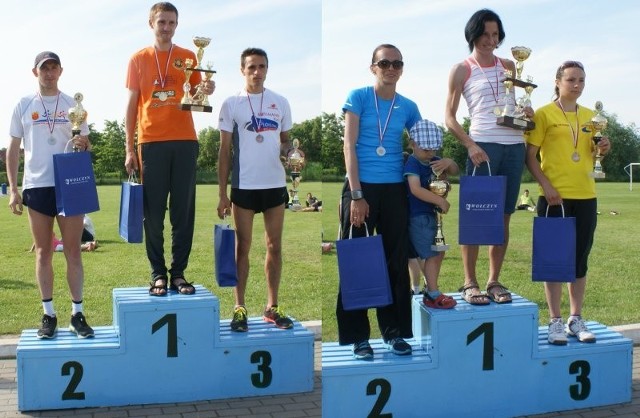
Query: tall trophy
[[199, 101], [295, 162], [77, 115], [513, 116], [441, 188], [598, 124]]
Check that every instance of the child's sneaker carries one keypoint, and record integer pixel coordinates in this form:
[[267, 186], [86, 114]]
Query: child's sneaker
[[239, 321], [398, 346], [441, 302], [557, 336], [362, 351]]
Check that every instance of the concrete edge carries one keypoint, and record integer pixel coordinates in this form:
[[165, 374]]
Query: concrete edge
[[9, 343]]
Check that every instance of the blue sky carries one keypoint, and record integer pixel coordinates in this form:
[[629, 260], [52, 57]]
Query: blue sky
[[430, 34], [95, 40], [321, 49]]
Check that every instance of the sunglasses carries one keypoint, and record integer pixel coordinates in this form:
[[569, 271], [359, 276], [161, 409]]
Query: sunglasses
[[571, 64], [385, 64]]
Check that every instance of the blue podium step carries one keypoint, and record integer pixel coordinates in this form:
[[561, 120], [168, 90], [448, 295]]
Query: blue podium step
[[160, 350], [480, 361]]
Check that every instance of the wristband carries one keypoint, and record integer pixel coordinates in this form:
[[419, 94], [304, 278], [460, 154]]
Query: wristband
[[356, 194]]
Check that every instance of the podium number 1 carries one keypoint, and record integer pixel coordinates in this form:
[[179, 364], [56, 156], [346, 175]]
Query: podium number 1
[[485, 329], [172, 332]]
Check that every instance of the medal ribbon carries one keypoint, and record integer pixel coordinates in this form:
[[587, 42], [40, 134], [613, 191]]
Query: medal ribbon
[[576, 132], [52, 126], [382, 131], [258, 125], [163, 80], [495, 66]]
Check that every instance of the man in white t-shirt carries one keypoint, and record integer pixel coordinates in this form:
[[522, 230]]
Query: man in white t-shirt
[[255, 123]]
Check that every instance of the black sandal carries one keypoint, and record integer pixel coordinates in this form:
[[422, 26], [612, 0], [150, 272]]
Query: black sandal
[[183, 288], [155, 286]]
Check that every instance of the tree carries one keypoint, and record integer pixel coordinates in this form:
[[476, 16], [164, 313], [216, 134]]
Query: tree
[[332, 146], [108, 149], [452, 148], [625, 149], [209, 139]]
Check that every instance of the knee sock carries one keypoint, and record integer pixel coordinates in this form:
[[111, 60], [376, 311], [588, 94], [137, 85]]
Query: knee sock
[[47, 306]]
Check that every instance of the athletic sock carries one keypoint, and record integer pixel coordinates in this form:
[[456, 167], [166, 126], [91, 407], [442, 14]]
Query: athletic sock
[[76, 307], [47, 306]]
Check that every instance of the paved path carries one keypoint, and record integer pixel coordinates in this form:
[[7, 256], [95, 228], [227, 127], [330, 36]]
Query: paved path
[[280, 406]]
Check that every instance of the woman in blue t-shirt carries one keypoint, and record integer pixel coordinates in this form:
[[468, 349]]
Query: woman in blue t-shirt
[[375, 193]]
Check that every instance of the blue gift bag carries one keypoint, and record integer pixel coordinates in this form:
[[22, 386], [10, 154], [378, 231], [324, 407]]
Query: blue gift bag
[[481, 211], [362, 267], [75, 184], [131, 211], [554, 249], [224, 245]]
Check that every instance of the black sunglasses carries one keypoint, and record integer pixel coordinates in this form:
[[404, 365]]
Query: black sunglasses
[[385, 64], [571, 64]]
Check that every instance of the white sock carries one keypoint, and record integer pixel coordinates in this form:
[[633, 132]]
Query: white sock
[[416, 290], [47, 305], [76, 307]]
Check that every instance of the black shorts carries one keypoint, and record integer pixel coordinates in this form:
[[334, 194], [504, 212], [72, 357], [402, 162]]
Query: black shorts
[[41, 199], [261, 199]]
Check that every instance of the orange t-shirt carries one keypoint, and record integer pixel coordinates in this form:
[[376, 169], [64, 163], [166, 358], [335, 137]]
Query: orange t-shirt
[[157, 79]]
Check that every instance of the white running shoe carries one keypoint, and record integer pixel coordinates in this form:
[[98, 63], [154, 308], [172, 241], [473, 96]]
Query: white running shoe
[[577, 328], [557, 336]]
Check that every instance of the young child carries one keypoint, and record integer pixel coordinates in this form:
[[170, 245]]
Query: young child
[[420, 169]]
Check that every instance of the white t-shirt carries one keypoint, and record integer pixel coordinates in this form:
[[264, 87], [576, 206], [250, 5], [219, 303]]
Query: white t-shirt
[[258, 120], [44, 126]]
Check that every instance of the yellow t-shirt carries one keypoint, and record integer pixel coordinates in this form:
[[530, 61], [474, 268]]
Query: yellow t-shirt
[[554, 136]]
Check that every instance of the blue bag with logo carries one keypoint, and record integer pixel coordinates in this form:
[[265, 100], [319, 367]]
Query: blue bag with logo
[[481, 212], [75, 184]]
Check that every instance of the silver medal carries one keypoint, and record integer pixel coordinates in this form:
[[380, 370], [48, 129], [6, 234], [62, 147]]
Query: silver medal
[[51, 140], [381, 151], [575, 156], [163, 96], [259, 138]]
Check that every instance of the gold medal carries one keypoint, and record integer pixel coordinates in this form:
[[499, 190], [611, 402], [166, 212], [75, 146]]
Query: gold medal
[[163, 96], [497, 111]]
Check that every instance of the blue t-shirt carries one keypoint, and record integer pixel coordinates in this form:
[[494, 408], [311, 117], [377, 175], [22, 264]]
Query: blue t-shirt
[[415, 167], [372, 167]]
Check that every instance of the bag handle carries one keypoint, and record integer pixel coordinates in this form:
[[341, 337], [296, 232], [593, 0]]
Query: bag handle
[[67, 145], [132, 177], [474, 169], [546, 215], [351, 230], [227, 220]]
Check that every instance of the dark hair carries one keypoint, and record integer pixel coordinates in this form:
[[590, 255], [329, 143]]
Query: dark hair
[[163, 6], [560, 73], [383, 46], [252, 51], [475, 26]]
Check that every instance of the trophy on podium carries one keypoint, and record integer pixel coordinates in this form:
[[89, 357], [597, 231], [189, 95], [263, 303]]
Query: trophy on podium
[[598, 124], [199, 102], [295, 162], [441, 188], [513, 115], [77, 115]]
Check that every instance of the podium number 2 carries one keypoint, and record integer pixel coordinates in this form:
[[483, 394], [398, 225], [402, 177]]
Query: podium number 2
[[70, 393], [385, 394]]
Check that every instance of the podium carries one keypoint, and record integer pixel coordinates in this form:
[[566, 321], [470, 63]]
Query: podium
[[162, 350], [480, 361]]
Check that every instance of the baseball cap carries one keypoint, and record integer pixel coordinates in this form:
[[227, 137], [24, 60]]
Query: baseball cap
[[45, 56], [426, 134]]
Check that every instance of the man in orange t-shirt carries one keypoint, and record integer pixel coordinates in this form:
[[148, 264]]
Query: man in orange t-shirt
[[167, 147]]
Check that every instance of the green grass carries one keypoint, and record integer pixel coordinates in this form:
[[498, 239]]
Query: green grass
[[119, 264], [613, 288]]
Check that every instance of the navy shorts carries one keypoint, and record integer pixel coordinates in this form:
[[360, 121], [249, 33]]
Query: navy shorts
[[504, 160], [422, 232], [261, 199], [41, 199]]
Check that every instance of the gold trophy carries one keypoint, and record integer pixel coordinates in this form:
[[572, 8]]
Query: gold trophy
[[513, 114], [441, 188], [598, 124], [199, 102], [77, 115], [295, 163]]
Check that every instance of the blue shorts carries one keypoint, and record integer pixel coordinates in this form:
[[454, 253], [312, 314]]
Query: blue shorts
[[41, 199], [504, 160], [422, 232], [259, 200]]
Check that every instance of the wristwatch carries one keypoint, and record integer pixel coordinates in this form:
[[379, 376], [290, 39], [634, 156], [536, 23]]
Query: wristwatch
[[356, 194]]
